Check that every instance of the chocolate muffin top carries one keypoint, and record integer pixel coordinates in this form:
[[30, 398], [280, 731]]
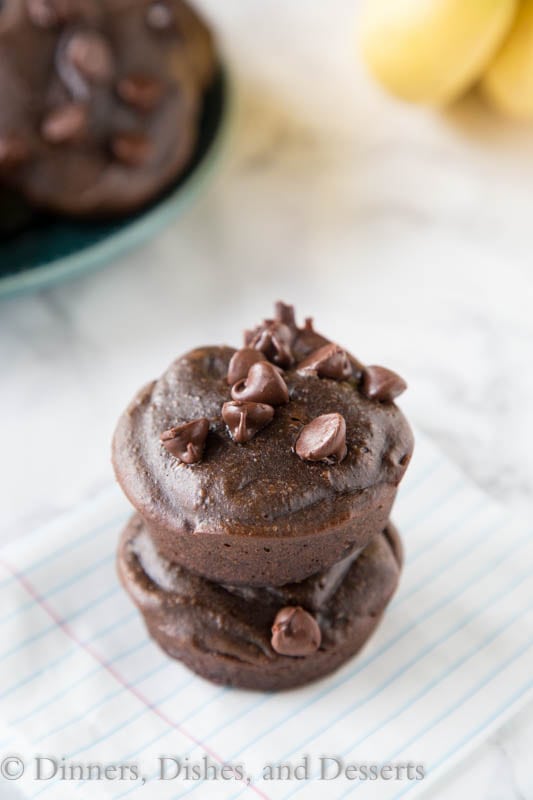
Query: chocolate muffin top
[[285, 447], [100, 99]]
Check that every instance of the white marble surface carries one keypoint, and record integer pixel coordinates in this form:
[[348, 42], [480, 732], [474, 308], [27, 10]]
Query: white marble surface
[[408, 234]]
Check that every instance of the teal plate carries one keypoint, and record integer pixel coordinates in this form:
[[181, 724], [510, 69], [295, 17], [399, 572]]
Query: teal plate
[[38, 250]]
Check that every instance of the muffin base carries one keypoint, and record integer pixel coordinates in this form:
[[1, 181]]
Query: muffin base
[[223, 632]]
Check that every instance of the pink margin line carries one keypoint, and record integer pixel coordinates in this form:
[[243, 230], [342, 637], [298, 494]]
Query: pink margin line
[[65, 627]]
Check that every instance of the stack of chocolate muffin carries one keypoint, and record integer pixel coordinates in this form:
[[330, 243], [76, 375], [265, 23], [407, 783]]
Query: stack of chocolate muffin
[[261, 554], [100, 100]]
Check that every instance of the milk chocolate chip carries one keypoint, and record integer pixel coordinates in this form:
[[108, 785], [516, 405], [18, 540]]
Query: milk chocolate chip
[[140, 91], [295, 632], [240, 363], [263, 384], [83, 57], [90, 53], [244, 419], [285, 314], [323, 439], [65, 124], [132, 149], [379, 383], [273, 339], [186, 442], [329, 361]]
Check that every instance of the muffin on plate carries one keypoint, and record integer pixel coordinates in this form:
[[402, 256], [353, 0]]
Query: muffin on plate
[[101, 100]]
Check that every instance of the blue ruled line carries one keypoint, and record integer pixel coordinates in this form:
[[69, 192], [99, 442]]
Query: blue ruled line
[[51, 592], [502, 666], [103, 700], [484, 535], [422, 583], [363, 663], [46, 667], [196, 710], [55, 627], [434, 505], [91, 672], [432, 541], [179, 687], [449, 669], [93, 533], [498, 595], [487, 722]]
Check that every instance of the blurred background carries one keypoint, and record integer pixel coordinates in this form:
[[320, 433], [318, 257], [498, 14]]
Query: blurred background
[[405, 231]]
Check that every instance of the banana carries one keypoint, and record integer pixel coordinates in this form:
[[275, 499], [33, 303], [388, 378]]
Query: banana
[[429, 51]]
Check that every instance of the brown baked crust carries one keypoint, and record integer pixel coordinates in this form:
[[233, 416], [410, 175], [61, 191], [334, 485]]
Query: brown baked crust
[[223, 633], [94, 174], [256, 513]]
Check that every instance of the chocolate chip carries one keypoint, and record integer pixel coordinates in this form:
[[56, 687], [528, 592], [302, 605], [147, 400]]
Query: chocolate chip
[[285, 314], [379, 383], [329, 361], [244, 418], [132, 149], [65, 123], [240, 363], [91, 54], [295, 632], [186, 442], [160, 16], [274, 339], [13, 152], [323, 439], [140, 91], [263, 384]]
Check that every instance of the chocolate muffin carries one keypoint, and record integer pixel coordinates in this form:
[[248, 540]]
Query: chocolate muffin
[[264, 466], [100, 100], [267, 638], [261, 554]]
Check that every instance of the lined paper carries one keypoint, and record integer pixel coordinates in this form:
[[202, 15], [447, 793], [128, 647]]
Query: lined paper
[[452, 660]]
